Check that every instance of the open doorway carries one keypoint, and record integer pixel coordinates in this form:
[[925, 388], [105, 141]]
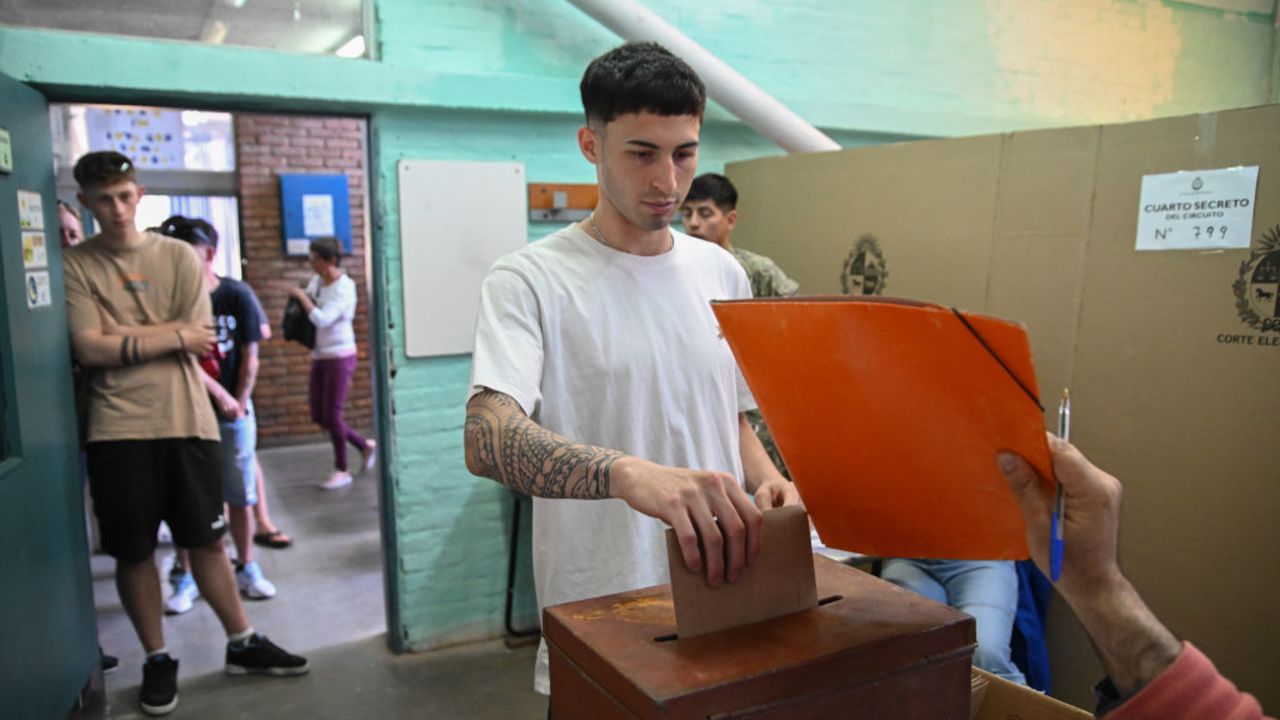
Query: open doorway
[[188, 159], [226, 168]]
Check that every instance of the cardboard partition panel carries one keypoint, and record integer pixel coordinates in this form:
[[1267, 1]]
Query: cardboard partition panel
[[1172, 356], [994, 698]]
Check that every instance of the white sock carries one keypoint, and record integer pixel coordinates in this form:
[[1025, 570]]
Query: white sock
[[240, 637], [162, 651]]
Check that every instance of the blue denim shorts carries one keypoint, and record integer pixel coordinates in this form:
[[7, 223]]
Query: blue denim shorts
[[239, 444]]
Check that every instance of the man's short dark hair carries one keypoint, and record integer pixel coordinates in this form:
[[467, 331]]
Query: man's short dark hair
[[192, 230], [716, 188], [327, 249], [640, 77], [104, 167]]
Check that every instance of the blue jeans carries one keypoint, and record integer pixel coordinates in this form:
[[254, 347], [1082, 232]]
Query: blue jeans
[[984, 589], [239, 444]]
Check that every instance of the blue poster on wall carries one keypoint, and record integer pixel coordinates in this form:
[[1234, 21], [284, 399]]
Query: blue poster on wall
[[314, 206]]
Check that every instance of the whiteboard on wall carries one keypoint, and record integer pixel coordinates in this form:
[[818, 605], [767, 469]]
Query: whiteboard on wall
[[456, 219]]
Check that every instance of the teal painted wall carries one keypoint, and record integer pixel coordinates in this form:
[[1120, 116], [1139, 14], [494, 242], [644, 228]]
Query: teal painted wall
[[932, 67], [497, 80]]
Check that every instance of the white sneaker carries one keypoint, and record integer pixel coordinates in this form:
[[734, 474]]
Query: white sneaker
[[252, 583], [369, 455], [184, 596], [339, 479]]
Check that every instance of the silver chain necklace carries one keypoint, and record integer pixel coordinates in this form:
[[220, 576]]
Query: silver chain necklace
[[600, 235]]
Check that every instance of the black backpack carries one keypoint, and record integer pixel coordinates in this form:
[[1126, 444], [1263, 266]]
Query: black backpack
[[297, 326]]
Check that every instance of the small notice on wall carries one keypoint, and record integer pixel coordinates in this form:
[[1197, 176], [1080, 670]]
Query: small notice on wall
[[317, 215], [30, 210], [1197, 209], [34, 252], [38, 294], [6, 152], [314, 206]]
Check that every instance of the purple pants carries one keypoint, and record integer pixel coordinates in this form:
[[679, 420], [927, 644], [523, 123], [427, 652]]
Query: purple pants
[[327, 394]]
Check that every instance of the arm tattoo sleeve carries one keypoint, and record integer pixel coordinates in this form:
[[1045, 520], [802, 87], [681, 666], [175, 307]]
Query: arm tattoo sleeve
[[503, 444]]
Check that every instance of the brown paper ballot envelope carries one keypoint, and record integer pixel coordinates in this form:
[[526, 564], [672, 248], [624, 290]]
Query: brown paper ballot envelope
[[779, 582], [890, 413]]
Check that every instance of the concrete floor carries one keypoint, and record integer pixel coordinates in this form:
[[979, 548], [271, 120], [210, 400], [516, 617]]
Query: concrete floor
[[329, 608]]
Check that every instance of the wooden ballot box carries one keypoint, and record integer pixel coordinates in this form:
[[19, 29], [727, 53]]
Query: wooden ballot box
[[869, 650]]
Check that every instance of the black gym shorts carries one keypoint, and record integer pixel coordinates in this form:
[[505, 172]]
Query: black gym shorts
[[137, 483]]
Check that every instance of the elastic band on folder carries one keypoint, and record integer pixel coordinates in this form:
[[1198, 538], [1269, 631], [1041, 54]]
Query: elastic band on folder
[[972, 330]]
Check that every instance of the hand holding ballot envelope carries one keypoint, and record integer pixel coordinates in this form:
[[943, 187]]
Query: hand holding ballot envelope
[[704, 508]]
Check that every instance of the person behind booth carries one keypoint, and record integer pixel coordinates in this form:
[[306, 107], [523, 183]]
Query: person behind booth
[[1151, 675], [600, 384], [329, 300], [710, 212], [987, 590], [139, 316]]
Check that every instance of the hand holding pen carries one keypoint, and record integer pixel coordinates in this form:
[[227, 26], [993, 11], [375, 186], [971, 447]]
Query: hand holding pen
[[1056, 544], [1093, 498]]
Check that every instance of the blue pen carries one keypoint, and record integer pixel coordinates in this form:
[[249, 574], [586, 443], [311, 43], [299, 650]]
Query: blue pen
[[1059, 505]]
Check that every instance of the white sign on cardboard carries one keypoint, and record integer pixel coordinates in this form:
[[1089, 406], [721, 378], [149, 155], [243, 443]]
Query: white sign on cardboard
[[1197, 209], [38, 294], [317, 215], [34, 252], [30, 210]]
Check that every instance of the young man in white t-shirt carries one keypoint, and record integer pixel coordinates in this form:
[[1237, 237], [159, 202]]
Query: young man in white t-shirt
[[600, 382]]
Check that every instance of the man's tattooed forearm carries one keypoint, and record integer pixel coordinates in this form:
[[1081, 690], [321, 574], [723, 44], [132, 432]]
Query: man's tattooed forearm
[[502, 443], [479, 442]]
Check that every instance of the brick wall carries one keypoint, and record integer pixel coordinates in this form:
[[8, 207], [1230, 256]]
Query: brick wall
[[267, 145]]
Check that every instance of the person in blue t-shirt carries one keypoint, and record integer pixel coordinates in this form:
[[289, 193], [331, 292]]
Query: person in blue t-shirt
[[229, 376]]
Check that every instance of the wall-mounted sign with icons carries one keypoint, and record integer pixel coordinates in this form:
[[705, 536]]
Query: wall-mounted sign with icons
[[6, 152], [30, 210], [38, 294], [35, 254], [150, 137]]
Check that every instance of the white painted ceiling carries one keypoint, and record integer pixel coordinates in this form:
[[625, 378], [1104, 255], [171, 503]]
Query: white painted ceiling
[[311, 26]]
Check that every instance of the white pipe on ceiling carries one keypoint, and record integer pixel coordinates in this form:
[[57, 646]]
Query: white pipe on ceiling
[[738, 95]]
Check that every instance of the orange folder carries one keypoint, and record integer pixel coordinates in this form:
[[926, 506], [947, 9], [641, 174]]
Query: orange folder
[[889, 414]]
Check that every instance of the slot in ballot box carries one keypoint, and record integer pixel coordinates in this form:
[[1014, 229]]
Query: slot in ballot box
[[868, 650]]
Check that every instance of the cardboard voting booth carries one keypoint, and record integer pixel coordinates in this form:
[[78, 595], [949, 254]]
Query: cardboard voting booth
[[1144, 261]]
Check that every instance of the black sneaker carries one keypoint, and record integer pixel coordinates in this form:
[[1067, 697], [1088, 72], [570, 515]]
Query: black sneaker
[[159, 694], [260, 656], [109, 662]]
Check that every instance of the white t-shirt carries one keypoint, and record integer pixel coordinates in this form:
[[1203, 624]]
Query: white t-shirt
[[620, 351], [335, 306]]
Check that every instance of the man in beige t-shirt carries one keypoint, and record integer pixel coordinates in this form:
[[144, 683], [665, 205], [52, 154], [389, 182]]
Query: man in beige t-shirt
[[139, 316]]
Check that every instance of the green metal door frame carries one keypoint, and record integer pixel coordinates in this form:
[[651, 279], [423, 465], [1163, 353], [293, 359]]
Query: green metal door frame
[[46, 599], [380, 341]]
